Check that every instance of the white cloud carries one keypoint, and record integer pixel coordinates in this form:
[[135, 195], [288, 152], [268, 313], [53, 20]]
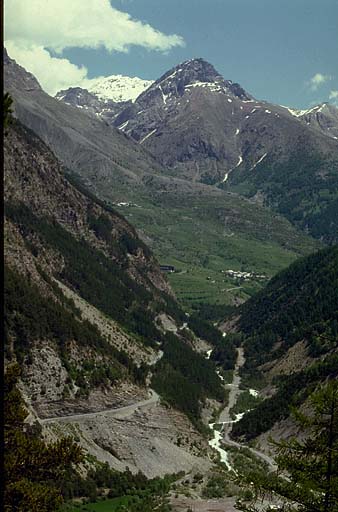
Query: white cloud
[[31, 27], [318, 80], [333, 96], [53, 73]]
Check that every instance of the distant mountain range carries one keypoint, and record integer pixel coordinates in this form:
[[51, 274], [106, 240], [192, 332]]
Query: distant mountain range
[[106, 96], [206, 129]]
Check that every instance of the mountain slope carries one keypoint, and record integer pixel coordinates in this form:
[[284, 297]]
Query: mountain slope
[[105, 109], [209, 130], [184, 119], [169, 212], [84, 297], [81, 142], [56, 234], [291, 337]]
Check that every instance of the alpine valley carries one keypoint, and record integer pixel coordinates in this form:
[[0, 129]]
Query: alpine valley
[[171, 276]]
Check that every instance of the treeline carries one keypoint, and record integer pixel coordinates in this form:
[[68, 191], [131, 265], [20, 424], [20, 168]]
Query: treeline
[[299, 303], [213, 312], [183, 377], [225, 353], [139, 492]]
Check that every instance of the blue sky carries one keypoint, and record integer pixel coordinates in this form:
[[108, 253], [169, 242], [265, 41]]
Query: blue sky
[[283, 51]]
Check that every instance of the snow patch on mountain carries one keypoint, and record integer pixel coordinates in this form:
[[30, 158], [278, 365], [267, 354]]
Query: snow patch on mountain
[[258, 162], [300, 113], [147, 136], [240, 160], [212, 86], [119, 88], [124, 125], [164, 96]]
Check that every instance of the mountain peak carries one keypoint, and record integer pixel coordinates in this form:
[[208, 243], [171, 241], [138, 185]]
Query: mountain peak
[[119, 88], [18, 76], [194, 70], [192, 73]]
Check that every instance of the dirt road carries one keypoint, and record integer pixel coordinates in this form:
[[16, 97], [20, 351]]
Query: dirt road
[[120, 413]]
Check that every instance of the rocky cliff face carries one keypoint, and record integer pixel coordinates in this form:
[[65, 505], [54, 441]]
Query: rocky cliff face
[[34, 178], [171, 120]]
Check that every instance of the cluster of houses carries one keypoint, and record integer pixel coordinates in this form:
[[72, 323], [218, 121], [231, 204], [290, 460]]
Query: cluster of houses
[[237, 274], [122, 203]]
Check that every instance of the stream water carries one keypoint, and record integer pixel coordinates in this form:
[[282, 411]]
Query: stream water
[[222, 427]]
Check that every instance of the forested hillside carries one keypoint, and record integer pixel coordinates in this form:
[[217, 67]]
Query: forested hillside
[[297, 313], [63, 245], [302, 187], [301, 302]]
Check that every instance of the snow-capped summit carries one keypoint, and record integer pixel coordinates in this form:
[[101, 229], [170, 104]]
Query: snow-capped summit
[[119, 88]]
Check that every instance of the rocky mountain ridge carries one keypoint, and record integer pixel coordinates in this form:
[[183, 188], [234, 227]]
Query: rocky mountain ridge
[[105, 109], [209, 130], [324, 117], [206, 129]]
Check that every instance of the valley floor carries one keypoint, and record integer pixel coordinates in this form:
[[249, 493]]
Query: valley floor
[[139, 436]]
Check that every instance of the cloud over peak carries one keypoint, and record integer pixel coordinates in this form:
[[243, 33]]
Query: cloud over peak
[[318, 80], [333, 96], [35, 26]]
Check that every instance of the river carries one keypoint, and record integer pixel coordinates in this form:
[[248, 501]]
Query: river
[[224, 423]]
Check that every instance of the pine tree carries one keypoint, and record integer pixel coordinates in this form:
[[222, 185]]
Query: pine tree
[[32, 469], [7, 111], [307, 476]]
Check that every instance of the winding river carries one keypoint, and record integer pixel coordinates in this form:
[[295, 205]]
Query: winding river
[[222, 427]]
